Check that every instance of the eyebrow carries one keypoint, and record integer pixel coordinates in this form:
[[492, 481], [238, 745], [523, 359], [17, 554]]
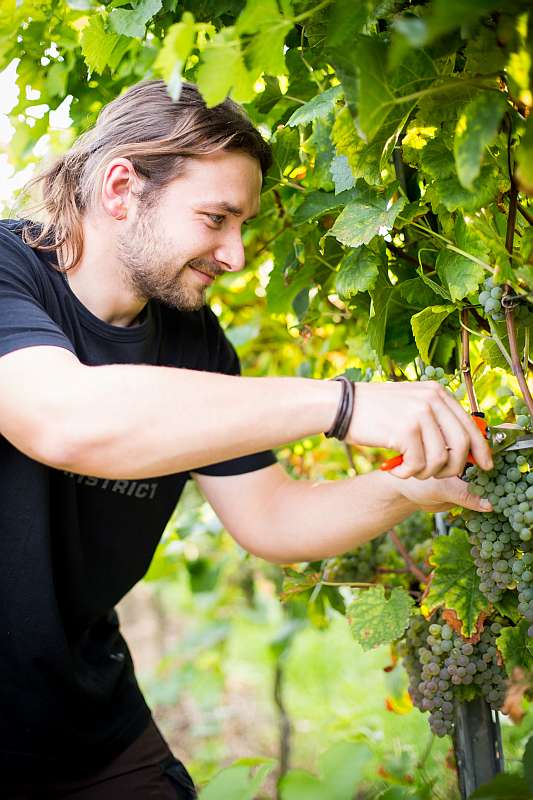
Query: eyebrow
[[227, 207]]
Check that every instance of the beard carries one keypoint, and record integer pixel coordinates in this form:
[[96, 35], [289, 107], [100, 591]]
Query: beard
[[147, 270]]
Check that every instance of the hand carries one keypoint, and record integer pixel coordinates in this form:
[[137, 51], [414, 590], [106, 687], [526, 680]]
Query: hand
[[440, 494], [423, 422]]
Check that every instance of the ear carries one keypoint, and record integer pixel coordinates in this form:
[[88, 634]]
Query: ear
[[119, 184]]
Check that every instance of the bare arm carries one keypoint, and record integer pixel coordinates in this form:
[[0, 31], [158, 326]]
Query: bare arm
[[135, 421], [285, 521]]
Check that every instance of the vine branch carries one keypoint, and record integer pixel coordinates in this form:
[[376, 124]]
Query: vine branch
[[509, 307], [413, 569], [465, 361]]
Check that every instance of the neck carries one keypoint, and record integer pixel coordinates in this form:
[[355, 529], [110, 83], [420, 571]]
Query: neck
[[98, 283]]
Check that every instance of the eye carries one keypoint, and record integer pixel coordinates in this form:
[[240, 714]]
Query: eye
[[217, 219]]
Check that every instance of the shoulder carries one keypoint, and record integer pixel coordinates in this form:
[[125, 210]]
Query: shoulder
[[19, 263]]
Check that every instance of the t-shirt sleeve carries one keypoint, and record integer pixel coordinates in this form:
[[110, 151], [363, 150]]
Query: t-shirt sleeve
[[24, 321], [226, 360]]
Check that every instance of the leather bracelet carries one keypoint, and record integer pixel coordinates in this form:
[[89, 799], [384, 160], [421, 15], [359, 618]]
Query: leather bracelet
[[341, 424]]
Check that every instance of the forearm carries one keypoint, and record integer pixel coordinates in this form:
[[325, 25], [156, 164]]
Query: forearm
[[309, 521], [133, 421]]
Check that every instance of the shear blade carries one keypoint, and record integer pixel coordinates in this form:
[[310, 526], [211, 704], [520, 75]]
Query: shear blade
[[509, 438]]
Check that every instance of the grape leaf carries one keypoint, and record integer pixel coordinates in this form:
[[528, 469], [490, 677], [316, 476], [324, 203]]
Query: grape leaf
[[268, 29], [178, 43], [319, 106], [375, 95], [516, 647], [455, 582], [507, 606], [376, 620], [437, 160], [378, 317], [524, 159], [133, 23], [100, 48], [503, 787], [492, 354], [297, 582], [425, 325], [237, 782], [342, 175], [528, 762], [358, 272], [222, 70], [340, 770], [366, 216], [285, 152], [452, 195], [317, 203], [477, 128], [459, 274]]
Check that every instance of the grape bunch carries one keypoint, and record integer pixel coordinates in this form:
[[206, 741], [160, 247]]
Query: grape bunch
[[502, 540], [521, 411], [362, 565], [357, 567], [491, 299], [435, 374], [439, 662]]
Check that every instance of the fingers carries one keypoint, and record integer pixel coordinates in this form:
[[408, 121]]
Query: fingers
[[458, 493], [437, 445], [457, 439], [478, 444], [414, 459]]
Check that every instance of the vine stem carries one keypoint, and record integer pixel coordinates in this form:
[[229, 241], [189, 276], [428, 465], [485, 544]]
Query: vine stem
[[525, 213], [465, 361], [398, 544], [509, 310]]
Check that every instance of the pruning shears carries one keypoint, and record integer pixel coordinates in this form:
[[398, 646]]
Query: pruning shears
[[501, 437]]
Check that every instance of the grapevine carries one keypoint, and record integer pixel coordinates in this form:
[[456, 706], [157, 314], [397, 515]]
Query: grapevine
[[440, 663]]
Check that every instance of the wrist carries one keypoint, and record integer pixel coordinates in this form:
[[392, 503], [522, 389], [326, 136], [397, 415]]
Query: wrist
[[399, 491]]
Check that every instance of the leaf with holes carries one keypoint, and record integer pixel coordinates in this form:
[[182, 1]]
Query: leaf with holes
[[375, 619]]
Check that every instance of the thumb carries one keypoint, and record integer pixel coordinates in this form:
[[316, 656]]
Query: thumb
[[466, 499]]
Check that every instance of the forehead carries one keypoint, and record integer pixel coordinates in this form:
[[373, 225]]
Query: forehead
[[232, 177]]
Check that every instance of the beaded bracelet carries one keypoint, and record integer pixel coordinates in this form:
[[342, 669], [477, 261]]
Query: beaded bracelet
[[340, 426]]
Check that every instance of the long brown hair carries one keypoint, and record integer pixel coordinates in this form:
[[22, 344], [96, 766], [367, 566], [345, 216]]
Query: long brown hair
[[156, 134]]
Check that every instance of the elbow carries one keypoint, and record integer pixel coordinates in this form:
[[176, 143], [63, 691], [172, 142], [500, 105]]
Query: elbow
[[56, 448]]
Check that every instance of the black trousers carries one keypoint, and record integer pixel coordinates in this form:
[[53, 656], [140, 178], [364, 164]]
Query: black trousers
[[146, 770]]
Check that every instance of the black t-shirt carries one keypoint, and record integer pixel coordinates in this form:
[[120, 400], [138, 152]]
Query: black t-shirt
[[72, 546]]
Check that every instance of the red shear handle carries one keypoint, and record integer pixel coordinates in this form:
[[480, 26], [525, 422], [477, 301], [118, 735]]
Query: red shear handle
[[478, 418]]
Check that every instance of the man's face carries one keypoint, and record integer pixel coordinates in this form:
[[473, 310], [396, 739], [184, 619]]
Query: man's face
[[172, 250]]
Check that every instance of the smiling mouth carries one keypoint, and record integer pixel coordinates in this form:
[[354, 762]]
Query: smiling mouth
[[204, 276]]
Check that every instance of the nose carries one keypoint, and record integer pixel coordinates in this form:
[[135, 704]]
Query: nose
[[231, 252]]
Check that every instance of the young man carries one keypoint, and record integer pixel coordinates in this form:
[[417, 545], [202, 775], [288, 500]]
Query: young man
[[117, 385]]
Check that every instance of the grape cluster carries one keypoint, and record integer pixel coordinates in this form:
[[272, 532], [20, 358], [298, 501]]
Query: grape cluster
[[361, 565], [434, 374], [521, 411], [502, 540], [491, 299], [357, 567], [439, 662]]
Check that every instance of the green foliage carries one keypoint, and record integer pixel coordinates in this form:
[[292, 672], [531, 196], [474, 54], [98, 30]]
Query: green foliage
[[239, 781], [340, 773], [394, 128], [455, 583], [375, 619]]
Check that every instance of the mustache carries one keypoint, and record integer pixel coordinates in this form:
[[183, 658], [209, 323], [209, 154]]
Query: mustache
[[210, 268]]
